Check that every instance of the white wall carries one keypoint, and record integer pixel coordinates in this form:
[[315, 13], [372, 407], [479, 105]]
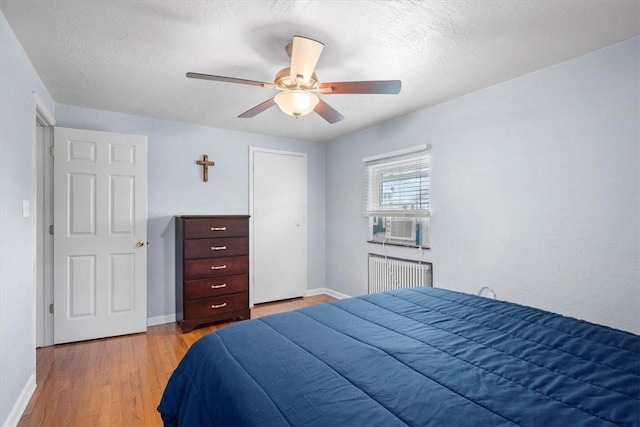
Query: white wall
[[535, 190], [176, 186], [18, 81]]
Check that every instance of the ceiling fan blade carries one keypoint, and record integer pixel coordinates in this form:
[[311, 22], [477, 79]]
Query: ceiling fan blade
[[327, 112], [258, 109], [383, 87], [304, 57], [229, 80]]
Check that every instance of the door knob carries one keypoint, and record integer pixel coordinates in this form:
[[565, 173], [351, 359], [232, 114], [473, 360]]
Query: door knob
[[140, 243]]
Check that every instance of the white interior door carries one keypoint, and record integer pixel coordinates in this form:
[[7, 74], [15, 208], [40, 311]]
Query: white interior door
[[100, 220], [279, 218]]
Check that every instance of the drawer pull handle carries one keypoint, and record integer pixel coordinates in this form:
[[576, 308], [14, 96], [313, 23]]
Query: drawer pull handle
[[224, 285], [214, 306], [218, 267], [218, 248], [218, 228]]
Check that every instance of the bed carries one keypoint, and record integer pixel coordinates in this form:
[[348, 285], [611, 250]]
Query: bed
[[418, 357]]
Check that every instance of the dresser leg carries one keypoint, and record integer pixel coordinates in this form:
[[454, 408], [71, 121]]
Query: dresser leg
[[245, 315], [187, 326]]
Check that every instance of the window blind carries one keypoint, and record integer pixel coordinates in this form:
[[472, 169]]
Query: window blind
[[398, 185]]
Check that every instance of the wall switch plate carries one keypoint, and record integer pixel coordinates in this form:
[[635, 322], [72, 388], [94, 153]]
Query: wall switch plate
[[26, 209]]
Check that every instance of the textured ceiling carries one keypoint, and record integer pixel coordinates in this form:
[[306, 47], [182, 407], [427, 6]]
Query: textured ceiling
[[132, 56]]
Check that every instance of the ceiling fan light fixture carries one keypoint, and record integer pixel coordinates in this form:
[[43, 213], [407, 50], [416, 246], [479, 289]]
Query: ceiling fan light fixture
[[296, 103], [298, 84]]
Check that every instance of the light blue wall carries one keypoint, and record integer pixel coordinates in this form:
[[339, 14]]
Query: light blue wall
[[176, 186], [18, 81], [535, 190]]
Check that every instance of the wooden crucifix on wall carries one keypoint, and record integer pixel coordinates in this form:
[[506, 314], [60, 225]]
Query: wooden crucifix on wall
[[205, 163]]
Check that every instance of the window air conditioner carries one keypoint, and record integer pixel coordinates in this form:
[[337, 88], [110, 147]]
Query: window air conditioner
[[401, 229]]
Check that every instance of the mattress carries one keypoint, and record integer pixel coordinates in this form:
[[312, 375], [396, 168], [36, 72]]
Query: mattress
[[418, 357]]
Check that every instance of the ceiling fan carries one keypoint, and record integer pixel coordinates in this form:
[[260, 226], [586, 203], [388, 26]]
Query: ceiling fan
[[299, 85]]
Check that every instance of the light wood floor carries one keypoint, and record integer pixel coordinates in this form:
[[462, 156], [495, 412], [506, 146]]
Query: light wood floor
[[117, 381]]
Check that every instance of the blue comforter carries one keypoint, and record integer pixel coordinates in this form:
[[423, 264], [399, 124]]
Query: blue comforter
[[418, 357]]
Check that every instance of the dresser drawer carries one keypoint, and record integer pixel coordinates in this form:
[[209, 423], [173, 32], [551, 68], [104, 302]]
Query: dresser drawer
[[216, 286], [216, 306], [215, 267], [214, 248], [202, 228]]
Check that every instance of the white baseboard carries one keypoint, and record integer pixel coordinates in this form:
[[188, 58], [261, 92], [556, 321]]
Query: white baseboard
[[314, 292], [336, 294], [21, 404], [326, 291], [161, 320]]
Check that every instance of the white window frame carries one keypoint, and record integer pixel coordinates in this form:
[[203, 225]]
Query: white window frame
[[416, 160]]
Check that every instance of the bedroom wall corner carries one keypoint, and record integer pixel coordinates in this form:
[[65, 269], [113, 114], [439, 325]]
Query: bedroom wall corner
[[535, 190]]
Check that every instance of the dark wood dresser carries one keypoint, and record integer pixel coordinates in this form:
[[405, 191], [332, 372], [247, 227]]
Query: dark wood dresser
[[212, 269]]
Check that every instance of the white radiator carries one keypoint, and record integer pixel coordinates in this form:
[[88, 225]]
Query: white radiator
[[392, 273]]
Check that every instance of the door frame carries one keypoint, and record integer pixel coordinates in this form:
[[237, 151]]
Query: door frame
[[253, 150], [42, 178]]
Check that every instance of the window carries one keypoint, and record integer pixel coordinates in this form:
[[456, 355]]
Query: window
[[397, 189], [398, 185]]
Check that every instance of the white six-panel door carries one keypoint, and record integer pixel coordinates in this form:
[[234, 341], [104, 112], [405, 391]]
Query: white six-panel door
[[100, 220], [279, 218]]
